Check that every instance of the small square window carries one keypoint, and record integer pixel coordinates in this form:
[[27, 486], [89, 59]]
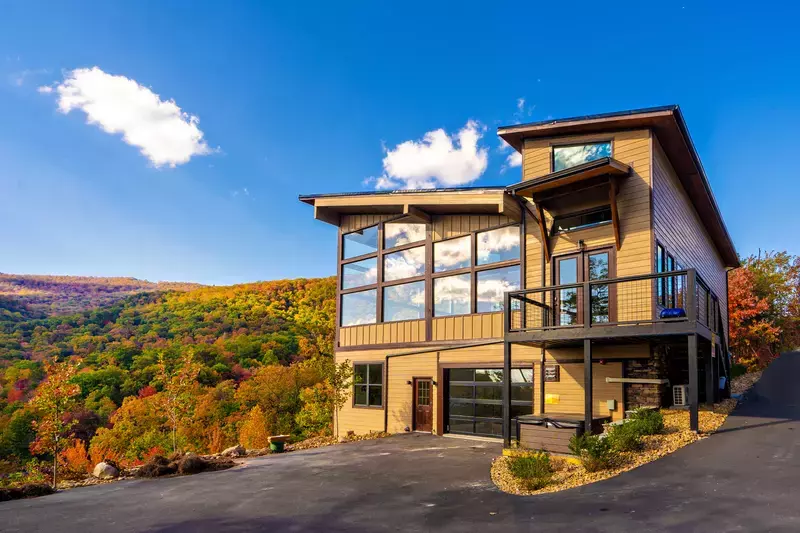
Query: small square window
[[368, 385]]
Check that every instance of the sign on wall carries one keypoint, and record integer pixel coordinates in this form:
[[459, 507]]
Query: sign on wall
[[552, 373]]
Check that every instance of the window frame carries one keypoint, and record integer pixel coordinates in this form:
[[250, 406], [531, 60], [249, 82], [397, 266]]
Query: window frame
[[428, 276], [474, 268], [568, 144], [554, 231], [368, 385]]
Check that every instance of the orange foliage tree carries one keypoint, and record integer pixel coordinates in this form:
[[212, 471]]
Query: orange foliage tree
[[752, 332], [52, 402], [253, 433]]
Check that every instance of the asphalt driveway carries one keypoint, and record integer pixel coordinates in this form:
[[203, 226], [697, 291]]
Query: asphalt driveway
[[744, 478]]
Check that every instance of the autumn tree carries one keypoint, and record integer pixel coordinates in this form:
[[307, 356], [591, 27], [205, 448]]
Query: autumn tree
[[254, 433], [52, 402], [176, 396], [752, 332]]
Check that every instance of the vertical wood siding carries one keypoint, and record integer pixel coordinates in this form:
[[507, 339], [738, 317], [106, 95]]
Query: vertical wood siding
[[678, 227], [353, 222], [400, 397]]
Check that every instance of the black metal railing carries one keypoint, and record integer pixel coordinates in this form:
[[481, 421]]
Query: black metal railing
[[649, 298]]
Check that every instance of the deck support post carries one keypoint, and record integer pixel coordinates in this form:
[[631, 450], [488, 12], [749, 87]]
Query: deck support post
[[587, 385], [506, 394], [709, 370], [694, 415]]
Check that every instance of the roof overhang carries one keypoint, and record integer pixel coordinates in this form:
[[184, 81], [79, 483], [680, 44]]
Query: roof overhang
[[585, 174], [670, 128], [417, 204]]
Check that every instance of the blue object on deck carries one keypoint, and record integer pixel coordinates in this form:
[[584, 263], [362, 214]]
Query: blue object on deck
[[673, 313]]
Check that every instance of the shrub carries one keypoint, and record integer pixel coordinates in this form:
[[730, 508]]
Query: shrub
[[627, 437], [651, 421], [534, 470], [595, 451], [738, 369], [254, 432], [75, 461]]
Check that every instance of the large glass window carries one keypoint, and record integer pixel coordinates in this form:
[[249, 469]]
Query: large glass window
[[400, 233], [501, 244], [452, 254], [368, 385], [360, 273], [361, 242], [404, 302], [452, 295], [661, 266], [492, 284], [582, 220], [598, 270], [404, 264], [570, 156], [359, 308]]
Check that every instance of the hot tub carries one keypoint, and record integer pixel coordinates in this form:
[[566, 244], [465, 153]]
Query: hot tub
[[552, 431]]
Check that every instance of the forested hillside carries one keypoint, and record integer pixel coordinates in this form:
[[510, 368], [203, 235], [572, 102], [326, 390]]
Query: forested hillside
[[208, 364], [48, 295]]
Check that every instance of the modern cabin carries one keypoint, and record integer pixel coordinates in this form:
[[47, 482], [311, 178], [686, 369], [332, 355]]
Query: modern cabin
[[595, 285]]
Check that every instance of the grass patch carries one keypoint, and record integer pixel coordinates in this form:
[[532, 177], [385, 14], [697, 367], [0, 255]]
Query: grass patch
[[533, 471]]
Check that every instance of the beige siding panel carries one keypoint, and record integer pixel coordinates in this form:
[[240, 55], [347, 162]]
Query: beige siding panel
[[359, 420], [387, 333], [678, 227], [449, 226], [400, 394], [468, 327], [569, 395], [353, 222]]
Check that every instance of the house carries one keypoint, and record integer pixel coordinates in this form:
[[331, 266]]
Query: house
[[595, 285]]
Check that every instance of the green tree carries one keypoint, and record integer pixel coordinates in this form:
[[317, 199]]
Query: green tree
[[176, 391]]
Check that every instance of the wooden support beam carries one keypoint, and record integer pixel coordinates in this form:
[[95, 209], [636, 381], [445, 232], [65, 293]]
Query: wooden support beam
[[529, 209], [587, 386], [543, 229], [416, 213], [326, 215], [694, 414], [612, 198]]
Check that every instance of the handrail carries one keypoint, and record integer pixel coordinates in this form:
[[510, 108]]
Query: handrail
[[617, 302]]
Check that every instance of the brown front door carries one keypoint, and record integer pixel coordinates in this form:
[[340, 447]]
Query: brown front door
[[423, 404]]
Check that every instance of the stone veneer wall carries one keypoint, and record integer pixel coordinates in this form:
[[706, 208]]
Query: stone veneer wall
[[647, 395]]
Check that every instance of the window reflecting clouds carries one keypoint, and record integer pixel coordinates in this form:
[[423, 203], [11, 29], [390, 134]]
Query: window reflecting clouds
[[359, 308], [492, 284], [452, 295], [570, 156], [360, 273], [500, 244], [452, 254], [404, 302], [400, 233], [361, 242], [405, 264]]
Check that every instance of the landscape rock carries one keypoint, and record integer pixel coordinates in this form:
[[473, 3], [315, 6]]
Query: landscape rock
[[105, 471], [191, 463], [234, 451]]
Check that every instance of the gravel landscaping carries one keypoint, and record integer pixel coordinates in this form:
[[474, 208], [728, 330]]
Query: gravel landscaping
[[568, 472]]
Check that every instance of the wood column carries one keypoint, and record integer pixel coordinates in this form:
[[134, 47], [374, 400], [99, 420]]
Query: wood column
[[694, 415], [587, 385]]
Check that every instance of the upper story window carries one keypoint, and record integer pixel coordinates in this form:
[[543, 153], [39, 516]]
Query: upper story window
[[404, 264], [501, 244], [570, 156], [360, 273], [452, 254], [586, 219], [492, 284], [400, 233], [404, 302], [361, 242], [359, 308]]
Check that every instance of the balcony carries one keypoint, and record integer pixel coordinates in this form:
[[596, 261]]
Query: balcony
[[628, 309]]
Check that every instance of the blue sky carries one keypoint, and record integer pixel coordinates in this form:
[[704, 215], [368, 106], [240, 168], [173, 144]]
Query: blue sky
[[309, 98]]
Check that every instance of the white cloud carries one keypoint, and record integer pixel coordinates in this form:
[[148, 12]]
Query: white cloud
[[513, 160], [19, 78], [164, 133], [520, 104], [436, 160]]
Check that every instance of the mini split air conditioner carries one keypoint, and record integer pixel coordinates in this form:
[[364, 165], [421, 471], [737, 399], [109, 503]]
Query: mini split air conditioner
[[680, 395]]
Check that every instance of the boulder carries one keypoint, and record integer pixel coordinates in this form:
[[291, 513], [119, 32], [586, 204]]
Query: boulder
[[105, 471], [191, 464], [234, 451]]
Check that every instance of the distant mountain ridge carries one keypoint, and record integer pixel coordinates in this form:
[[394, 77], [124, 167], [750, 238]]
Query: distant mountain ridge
[[38, 295]]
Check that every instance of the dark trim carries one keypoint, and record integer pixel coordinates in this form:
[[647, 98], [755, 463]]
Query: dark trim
[[608, 164], [614, 114]]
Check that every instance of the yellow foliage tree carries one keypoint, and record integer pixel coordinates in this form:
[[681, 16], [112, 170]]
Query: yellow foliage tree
[[254, 432]]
